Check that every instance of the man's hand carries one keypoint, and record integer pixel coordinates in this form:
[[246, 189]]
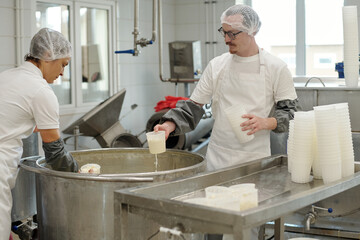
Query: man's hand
[[167, 126], [255, 123]]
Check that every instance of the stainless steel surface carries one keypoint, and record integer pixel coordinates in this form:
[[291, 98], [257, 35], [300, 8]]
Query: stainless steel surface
[[80, 206], [101, 117], [185, 59], [315, 96], [278, 197], [30, 146], [278, 143], [24, 193]]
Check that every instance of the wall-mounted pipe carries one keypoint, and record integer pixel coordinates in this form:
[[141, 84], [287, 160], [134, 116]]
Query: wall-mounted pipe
[[207, 40], [214, 28], [143, 42], [18, 37], [175, 80]]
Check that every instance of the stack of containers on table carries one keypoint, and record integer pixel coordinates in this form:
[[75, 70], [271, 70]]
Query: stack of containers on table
[[321, 140], [237, 197]]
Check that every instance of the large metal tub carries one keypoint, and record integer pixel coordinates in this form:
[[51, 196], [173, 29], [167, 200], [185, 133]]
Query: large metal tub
[[80, 206], [23, 194]]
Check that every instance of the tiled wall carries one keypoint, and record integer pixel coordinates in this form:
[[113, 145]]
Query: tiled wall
[[182, 20]]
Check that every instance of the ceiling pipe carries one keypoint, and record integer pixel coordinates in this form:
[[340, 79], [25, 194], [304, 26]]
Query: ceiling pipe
[[143, 42]]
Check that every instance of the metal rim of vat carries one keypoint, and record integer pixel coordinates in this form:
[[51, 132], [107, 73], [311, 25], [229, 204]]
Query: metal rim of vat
[[123, 177]]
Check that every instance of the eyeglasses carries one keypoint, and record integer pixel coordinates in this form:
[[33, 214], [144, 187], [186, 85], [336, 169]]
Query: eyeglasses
[[231, 35]]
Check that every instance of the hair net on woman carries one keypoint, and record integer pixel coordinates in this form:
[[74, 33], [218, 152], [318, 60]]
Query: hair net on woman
[[242, 18], [49, 45]]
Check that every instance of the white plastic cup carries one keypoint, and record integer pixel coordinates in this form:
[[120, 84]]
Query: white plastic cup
[[247, 195], [217, 192], [156, 142], [91, 168], [234, 115]]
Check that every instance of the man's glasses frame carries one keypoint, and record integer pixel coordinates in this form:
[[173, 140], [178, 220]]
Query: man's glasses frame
[[231, 35]]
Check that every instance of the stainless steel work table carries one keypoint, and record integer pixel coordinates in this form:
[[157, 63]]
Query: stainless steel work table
[[278, 197]]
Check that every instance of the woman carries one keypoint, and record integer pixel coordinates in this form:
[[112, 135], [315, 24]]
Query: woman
[[29, 104]]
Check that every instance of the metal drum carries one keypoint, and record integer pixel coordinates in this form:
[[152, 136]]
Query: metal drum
[[81, 206], [24, 194]]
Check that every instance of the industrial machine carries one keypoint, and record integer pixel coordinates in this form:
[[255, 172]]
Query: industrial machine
[[185, 59], [102, 123]]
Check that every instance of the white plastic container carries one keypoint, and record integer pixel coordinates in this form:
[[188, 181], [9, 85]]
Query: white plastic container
[[156, 142], [247, 195], [234, 115], [90, 168], [217, 192]]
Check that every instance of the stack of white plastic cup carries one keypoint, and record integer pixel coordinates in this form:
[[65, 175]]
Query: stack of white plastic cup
[[345, 139], [328, 148], [351, 46], [303, 151], [290, 144], [316, 166], [234, 115]]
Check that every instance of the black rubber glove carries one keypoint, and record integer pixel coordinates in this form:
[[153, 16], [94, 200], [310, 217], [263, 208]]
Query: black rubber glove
[[284, 112], [186, 116], [57, 158]]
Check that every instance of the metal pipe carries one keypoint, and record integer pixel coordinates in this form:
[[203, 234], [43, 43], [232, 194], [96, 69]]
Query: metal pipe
[[214, 42], [153, 37], [18, 32], [207, 40], [143, 42], [161, 50], [136, 26]]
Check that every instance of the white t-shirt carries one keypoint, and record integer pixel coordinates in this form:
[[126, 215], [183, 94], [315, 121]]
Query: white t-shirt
[[26, 101], [279, 82], [278, 86]]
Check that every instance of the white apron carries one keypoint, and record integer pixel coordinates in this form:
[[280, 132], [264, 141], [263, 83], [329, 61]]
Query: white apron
[[236, 88]]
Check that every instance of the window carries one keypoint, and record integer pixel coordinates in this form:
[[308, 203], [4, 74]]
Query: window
[[277, 34], [91, 24], [94, 53], [324, 36], [56, 16], [316, 47]]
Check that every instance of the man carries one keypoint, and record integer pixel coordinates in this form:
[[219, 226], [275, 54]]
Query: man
[[28, 103], [246, 76]]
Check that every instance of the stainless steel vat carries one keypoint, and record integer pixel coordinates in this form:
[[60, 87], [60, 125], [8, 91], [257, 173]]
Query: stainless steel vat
[[24, 194], [81, 206]]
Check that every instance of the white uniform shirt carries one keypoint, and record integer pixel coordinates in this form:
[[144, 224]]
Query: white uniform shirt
[[26, 101], [279, 82], [224, 150]]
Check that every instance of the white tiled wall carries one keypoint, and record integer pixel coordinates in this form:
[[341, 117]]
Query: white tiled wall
[[182, 20]]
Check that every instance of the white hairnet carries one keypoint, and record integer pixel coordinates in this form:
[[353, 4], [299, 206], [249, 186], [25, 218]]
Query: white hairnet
[[49, 45], [242, 18]]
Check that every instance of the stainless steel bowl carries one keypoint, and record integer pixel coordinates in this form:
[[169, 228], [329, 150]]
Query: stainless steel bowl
[[80, 206]]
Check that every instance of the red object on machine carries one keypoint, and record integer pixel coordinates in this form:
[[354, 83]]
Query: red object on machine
[[169, 102]]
